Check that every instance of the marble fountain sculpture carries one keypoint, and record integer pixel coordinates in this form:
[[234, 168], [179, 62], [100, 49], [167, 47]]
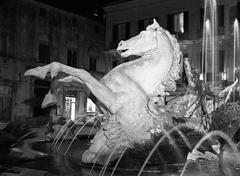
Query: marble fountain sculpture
[[132, 95]]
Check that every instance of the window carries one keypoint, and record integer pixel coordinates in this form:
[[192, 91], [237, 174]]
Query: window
[[143, 23], [115, 32], [42, 13], [44, 53], [70, 107], [91, 107], [93, 53], [70, 103], [72, 58], [5, 103], [178, 20], [41, 88], [178, 23], [121, 31], [92, 64]]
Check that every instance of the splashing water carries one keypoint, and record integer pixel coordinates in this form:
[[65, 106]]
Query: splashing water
[[103, 170], [94, 163], [94, 117], [173, 143], [208, 136], [65, 136], [175, 128], [94, 125], [60, 133], [118, 161], [71, 127]]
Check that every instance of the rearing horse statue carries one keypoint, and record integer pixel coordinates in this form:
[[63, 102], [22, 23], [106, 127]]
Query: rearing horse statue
[[126, 92]]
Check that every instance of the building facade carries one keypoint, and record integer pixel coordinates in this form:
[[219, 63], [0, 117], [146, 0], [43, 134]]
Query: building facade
[[35, 34], [184, 19]]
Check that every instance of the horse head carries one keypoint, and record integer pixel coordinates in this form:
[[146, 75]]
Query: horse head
[[155, 40], [150, 40]]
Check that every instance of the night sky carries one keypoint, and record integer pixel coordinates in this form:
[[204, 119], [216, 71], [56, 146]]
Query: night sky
[[83, 7]]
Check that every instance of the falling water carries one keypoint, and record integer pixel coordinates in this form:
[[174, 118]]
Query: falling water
[[94, 117], [60, 133], [209, 33], [103, 170], [95, 162], [206, 36], [166, 135], [94, 125], [209, 136], [118, 161], [235, 48], [71, 126]]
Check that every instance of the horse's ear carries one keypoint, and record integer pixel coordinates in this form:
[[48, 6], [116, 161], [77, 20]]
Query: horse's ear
[[154, 26], [155, 21]]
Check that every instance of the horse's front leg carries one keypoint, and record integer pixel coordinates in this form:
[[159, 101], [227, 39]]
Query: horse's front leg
[[100, 91]]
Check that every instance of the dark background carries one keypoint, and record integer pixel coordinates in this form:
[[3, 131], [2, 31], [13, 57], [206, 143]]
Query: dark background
[[88, 8]]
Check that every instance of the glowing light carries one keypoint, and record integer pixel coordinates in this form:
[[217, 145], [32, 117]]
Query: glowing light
[[91, 107], [224, 76], [201, 76]]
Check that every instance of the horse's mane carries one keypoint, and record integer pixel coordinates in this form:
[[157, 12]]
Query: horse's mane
[[169, 81]]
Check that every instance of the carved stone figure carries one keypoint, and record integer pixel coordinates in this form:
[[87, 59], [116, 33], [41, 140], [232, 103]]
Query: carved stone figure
[[126, 94]]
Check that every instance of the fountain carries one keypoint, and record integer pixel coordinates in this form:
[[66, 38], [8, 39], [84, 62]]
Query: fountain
[[127, 93], [235, 48], [209, 39], [141, 132]]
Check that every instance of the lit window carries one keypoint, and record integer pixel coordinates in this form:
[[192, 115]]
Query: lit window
[[91, 107], [179, 23], [70, 107]]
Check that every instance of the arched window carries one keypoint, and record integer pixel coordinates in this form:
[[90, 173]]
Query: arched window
[[93, 54]]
